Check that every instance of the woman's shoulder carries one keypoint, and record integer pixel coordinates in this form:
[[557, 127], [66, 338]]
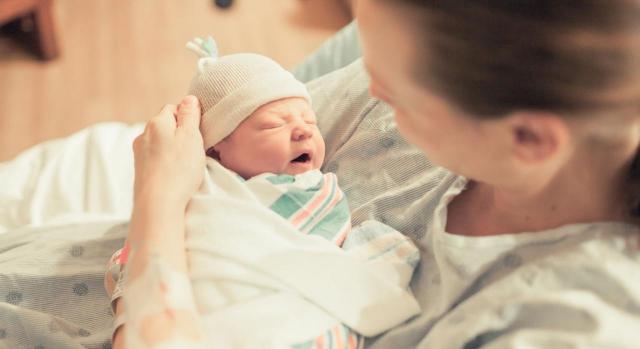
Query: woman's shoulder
[[604, 259], [604, 246], [581, 287], [598, 258]]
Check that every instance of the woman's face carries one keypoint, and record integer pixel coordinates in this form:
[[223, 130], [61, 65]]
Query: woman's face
[[280, 137], [471, 147]]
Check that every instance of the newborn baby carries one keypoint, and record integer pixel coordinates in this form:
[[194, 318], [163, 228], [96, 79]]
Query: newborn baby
[[257, 121], [265, 151]]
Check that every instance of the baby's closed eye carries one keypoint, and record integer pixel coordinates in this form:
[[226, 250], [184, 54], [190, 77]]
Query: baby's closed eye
[[271, 125]]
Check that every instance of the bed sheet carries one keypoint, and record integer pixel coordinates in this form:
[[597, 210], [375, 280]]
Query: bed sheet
[[87, 176], [51, 284], [64, 206]]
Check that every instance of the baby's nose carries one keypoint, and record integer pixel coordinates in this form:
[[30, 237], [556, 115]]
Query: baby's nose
[[301, 132]]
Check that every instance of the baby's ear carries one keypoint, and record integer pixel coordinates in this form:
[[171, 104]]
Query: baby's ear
[[213, 153]]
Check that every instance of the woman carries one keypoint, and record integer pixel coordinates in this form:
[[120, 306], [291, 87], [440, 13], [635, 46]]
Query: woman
[[535, 109]]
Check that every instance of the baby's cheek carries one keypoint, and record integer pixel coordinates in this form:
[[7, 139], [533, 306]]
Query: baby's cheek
[[320, 151], [272, 160]]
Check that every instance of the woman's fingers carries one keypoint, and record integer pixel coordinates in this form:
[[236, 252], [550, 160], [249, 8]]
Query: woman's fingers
[[164, 122], [188, 116], [137, 142], [171, 145]]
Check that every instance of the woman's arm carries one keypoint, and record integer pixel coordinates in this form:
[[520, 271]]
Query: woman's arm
[[159, 232], [158, 299]]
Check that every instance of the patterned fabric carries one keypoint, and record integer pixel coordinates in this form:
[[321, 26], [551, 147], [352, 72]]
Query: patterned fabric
[[338, 337], [51, 285], [320, 209], [115, 275]]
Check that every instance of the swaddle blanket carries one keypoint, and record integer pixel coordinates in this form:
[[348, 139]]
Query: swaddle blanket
[[312, 202], [260, 282]]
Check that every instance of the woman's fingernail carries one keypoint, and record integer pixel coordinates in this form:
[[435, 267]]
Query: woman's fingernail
[[189, 100]]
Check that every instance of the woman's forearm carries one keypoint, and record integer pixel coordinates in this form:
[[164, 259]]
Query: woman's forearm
[[157, 226], [158, 299]]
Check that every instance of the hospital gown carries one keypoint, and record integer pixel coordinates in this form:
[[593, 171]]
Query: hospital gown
[[574, 286]]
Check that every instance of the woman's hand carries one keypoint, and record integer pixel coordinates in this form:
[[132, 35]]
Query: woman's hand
[[169, 155]]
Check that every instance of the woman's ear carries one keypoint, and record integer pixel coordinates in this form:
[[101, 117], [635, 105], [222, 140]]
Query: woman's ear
[[538, 137]]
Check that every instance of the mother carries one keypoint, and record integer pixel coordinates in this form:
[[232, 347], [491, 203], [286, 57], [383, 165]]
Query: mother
[[534, 106]]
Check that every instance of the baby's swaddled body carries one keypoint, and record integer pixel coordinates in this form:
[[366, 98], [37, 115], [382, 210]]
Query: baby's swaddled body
[[267, 269]]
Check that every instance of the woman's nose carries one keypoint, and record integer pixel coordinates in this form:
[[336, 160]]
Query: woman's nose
[[301, 132]]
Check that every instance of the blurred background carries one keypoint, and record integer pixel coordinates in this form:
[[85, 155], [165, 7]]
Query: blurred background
[[67, 64]]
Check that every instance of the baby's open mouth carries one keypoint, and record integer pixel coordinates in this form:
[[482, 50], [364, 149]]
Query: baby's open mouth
[[304, 157]]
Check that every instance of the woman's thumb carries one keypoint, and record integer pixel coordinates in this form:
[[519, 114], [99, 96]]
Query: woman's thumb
[[188, 113]]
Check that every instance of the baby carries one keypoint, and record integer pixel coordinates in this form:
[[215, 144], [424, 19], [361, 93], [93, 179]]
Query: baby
[[257, 121], [264, 146]]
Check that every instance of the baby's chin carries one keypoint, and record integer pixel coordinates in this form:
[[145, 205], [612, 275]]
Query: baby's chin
[[296, 168]]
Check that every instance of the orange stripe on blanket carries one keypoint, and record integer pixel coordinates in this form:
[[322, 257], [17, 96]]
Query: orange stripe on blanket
[[320, 342], [339, 239], [329, 207], [338, 337], [353, 341], [322, 195]]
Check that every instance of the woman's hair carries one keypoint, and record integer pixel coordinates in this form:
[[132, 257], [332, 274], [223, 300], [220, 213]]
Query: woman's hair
[[570, 57]]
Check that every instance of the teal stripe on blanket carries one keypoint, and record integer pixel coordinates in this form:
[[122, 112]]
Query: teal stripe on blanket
[[366, 232], [329, 226], [307, 345], [286, 206], [370, 230], [328, 340], [295, 198], [320, 210], [281, 179]]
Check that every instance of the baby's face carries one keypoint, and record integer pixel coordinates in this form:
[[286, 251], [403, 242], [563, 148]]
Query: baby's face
[[280, 137]]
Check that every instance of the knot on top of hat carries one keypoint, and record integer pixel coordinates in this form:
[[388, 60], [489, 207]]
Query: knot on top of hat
[[206, 49]]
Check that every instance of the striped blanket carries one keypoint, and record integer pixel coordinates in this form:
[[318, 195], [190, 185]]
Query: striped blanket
[[311, 201]]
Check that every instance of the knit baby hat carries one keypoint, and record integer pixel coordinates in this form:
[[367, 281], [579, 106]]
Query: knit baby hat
[[230, 88]]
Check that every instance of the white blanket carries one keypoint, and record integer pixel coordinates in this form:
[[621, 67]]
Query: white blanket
[[259, 274], [85, 177]]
